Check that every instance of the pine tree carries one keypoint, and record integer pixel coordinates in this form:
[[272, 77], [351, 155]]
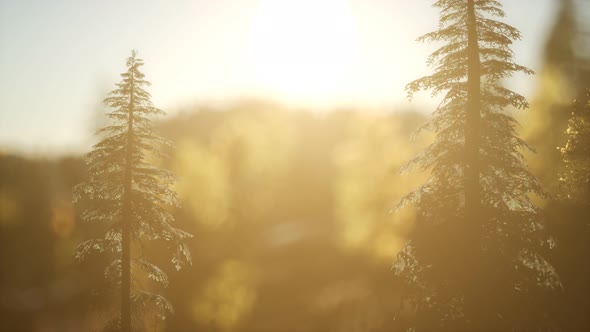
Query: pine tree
[[570, 217], [129, 198], [475, 251], [576, 153]]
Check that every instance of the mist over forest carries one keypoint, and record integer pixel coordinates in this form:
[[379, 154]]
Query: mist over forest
[[258, 214]]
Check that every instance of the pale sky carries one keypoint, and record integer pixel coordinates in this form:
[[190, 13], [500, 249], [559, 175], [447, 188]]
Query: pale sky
[[58, 58]]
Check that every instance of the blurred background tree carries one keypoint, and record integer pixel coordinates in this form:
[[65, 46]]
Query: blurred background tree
[[564, 77], [576, 153], [269, 193]]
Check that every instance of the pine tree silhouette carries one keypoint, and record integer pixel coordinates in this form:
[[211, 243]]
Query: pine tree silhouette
[[474, 256], [129, 198]]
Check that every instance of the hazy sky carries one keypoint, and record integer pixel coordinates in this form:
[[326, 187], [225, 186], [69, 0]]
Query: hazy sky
[[58, 58]]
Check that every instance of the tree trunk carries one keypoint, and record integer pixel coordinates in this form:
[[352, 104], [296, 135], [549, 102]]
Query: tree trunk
[[126, 225], [473, 212]]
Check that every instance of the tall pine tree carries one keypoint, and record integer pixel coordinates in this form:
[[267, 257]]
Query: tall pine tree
[[474, 260], [130, 199]]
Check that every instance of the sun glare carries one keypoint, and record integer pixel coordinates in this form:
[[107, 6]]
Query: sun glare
[[304, 49]]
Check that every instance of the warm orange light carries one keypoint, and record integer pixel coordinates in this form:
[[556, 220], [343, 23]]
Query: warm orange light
[[304, 49]]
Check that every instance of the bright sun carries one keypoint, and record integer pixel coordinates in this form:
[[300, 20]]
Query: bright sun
[[304, 48]]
